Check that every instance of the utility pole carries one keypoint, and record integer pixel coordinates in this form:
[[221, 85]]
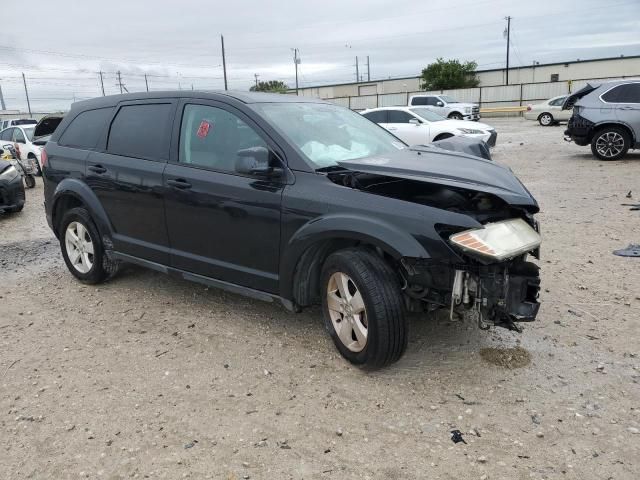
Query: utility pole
[[508, 19], [357, 72], [119, 80], [101, 83], [146, 82], [4, 107], [368, 70], [256, 75], [296, 62], [224, 63], [26, 92]]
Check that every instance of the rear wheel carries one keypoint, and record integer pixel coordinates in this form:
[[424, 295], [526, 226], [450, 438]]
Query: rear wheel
[[455, 116], [30, 181], [82, 248], [610, 143], [32, 158], [363, 308], [545, 119]]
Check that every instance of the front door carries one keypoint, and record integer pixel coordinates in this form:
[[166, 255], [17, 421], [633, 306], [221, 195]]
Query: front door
[[222, 224], [399, 123]]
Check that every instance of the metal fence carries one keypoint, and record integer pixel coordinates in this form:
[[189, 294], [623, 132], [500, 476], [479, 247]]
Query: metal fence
[[487, 97]]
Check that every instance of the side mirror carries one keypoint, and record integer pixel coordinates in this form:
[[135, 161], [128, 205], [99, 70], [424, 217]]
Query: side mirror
[[439, 104], [415, 121], [256, 161]]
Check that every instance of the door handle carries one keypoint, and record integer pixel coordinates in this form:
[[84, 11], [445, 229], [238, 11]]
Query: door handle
[[179, 183], [97, 169], [627, 107]]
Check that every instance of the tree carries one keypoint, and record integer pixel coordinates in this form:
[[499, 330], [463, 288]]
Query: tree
[[275, 86], [444, 75]]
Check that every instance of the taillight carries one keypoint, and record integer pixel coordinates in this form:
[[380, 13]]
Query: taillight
[[528, 108], [43, 158]]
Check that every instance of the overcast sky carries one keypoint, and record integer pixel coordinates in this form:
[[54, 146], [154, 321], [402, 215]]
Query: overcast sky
[[60, 45]]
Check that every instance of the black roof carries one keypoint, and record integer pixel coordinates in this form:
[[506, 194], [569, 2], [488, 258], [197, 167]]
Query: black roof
[[244, 97]]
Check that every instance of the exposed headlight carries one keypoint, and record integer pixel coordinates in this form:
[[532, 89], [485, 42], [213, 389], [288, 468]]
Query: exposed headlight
[[9, 173], [467, 109], [500, 240], [470, 131]]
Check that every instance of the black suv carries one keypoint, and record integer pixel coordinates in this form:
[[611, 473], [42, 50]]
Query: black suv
[[299, 200]]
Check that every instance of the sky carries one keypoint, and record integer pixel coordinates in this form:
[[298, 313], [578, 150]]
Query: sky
[[61, 45]]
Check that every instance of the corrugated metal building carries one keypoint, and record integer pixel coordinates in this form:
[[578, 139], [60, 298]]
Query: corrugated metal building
[[575, 70]]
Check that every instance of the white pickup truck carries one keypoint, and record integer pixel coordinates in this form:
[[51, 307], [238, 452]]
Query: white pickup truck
[[446, 106]]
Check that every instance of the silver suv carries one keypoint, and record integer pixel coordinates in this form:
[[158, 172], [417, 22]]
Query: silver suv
[[607, 116]]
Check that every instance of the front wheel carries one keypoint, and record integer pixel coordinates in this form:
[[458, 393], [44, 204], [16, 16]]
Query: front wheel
[[455, 116], [545, 119], [610, 143], [363, 309]]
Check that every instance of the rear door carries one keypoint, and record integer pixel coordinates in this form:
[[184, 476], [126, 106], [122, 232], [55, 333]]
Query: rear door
[[222, 224], [126, 171], [628, 107]]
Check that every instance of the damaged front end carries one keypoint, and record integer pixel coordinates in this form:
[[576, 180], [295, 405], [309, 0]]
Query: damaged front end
[[479, 273]]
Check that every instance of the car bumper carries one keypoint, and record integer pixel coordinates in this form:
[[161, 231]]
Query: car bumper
[[12, 195], [474, 117], [531, 115], [489, 137]]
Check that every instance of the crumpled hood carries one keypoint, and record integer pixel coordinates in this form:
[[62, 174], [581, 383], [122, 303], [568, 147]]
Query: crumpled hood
[[465, 124], [447, 168]]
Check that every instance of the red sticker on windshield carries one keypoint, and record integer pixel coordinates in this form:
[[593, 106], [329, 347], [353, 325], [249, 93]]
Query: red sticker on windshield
[[203, 129]]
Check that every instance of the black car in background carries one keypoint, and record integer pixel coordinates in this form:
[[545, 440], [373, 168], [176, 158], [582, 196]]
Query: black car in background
[[299, 200], [12, 195]]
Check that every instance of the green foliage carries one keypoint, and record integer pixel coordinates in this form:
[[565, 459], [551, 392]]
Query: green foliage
[[444, 75], [274, 86]]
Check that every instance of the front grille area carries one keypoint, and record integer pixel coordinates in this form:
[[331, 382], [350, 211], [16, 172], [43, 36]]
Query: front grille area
[[475, 110]]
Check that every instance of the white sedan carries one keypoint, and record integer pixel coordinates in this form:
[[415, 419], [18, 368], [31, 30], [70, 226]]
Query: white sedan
[[21, 136], [419, 125], [548, 112]]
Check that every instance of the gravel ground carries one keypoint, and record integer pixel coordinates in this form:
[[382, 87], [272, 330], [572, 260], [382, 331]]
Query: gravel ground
[[151, 377]]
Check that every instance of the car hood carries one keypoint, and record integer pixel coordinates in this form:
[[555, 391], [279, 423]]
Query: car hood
[[464, 124], [448, 168]]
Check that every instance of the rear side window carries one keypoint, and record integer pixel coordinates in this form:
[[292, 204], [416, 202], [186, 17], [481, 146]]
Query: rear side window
[[141, 131], [420, 101], [629, 93], [376, 117], [85, 130]]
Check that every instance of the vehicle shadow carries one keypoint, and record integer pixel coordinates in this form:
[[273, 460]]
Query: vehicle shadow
[[434, 340]]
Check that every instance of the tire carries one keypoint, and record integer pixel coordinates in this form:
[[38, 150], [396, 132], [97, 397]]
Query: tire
[[30, 181], [384, 328], [32, 158], [456, 116], [95, 267], [610, 143], [546, 119]]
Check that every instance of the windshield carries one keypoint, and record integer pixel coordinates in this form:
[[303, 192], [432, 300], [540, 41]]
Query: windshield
[[29, 132], [326, 133], [448, 99], [427, 114]]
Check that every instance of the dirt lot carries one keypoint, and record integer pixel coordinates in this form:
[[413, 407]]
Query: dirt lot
[[147, 376]]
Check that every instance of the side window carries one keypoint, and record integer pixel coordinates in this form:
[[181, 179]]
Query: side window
[[557, 102], [7, 135], [433, 101], [379, 116], [613, 95], [212, 137], [420, 101], [629, 93], [398, 116], [85, 130], [18, 136], [141, 131]]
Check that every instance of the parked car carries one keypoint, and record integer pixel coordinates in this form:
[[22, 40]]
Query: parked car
[[607, 116], [11, 188], [16, 121], [293, 199], [446, 106], [22, 138], [419, 125], [548, 112]]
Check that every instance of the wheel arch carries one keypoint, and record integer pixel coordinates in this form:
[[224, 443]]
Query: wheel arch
[[599, 126], [71, 193], [307, 249]]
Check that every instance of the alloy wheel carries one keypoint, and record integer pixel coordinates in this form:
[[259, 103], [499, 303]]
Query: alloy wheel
[[347, 312], [610, 144], [545, 119], [79, 247]]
